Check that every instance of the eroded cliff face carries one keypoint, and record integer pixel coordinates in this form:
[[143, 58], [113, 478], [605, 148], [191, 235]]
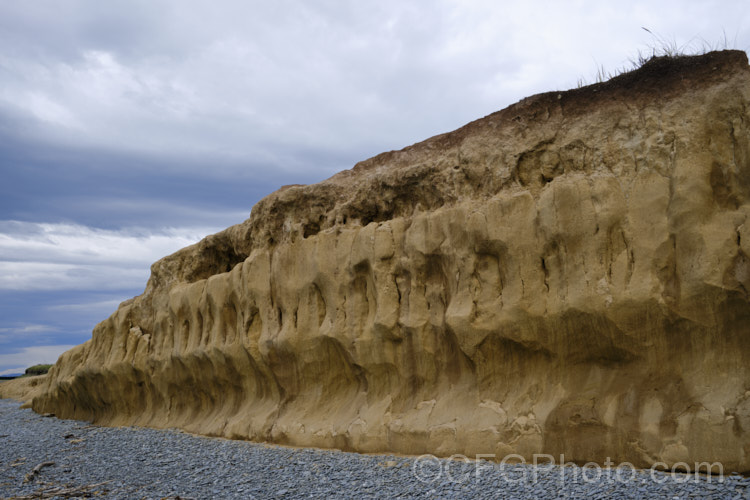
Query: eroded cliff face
[[567, 275]]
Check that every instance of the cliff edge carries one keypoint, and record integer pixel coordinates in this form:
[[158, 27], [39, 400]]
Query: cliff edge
[[567, 275]]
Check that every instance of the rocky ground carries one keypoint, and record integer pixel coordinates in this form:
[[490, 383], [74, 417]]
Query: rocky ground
[[44, 457]]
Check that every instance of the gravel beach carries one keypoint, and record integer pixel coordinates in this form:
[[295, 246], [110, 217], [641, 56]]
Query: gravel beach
[[44, 457]]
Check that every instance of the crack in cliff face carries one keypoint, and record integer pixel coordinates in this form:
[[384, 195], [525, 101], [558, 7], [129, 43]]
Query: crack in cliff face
[[477, 292], [546, 274]]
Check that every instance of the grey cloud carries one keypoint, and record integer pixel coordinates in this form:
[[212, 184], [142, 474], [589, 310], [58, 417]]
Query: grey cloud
[[254, 82], [71, 257]]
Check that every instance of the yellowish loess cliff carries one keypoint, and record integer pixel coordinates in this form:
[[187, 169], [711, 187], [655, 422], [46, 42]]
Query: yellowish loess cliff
[[567, 275]]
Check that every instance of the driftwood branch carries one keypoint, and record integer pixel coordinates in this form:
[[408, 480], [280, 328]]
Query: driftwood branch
[[35, 471], [66, 492]]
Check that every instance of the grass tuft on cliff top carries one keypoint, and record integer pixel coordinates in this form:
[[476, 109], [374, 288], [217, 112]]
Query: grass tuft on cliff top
[[661, 47]]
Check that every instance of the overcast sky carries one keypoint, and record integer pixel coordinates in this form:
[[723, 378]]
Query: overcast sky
[[129, 129]]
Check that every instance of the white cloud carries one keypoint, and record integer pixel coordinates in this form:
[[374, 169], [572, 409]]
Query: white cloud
[[25, 330], [46, 109], [98, 306], [28, 356], [51, 276], [39, 256]]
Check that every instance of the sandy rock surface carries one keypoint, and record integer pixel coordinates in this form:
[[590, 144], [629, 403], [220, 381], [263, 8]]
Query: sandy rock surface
[[567, 275]]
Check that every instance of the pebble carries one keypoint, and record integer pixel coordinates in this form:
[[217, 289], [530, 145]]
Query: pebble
[[140, 463]]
